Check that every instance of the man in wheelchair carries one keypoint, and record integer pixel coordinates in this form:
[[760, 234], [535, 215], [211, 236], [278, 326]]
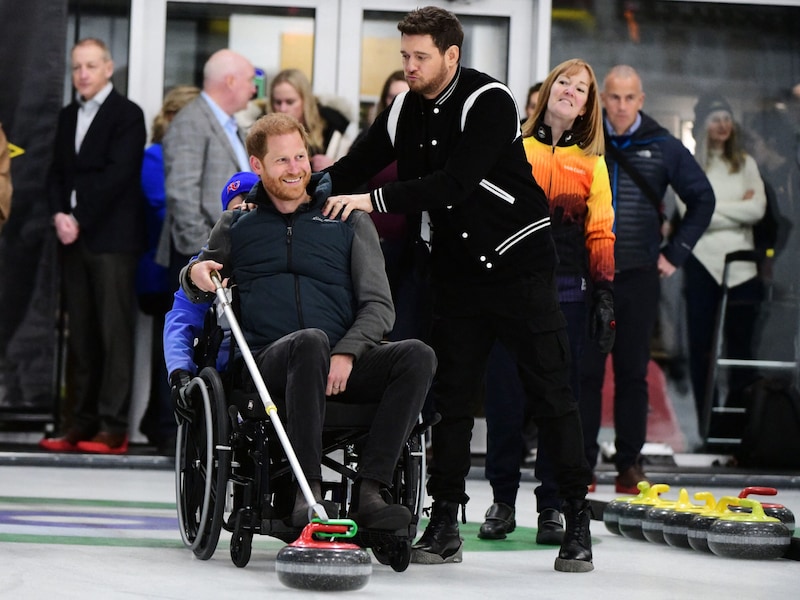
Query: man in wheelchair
[[315, 306]]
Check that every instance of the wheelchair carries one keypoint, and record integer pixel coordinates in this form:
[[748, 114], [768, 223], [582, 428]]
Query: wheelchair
[[231, 471]]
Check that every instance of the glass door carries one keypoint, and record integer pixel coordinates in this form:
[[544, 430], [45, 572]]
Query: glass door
[[500, 38]]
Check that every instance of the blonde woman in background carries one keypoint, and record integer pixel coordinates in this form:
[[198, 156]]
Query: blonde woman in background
[[290, 92]]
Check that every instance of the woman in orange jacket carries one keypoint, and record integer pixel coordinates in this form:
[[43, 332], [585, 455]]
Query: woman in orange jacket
[[563, 142]]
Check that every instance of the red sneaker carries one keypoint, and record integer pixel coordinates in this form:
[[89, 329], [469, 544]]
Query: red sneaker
[[67, 443], [105, 443], [61, 444]]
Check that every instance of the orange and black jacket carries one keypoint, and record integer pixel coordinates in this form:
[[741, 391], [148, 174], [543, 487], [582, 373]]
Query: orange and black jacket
[[581, 214]]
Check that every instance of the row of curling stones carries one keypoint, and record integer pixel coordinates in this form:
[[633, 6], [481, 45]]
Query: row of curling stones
[[744, 530], [317, 561]]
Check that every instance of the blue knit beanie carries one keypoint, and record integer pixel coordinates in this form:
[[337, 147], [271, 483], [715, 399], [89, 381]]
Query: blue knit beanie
[[241, 183]]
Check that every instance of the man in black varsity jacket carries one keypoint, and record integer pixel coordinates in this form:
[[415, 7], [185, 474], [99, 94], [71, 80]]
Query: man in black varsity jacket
[[456, 138]]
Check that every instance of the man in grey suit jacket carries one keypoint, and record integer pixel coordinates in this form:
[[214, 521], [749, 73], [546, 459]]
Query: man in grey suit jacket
[[202, 148]]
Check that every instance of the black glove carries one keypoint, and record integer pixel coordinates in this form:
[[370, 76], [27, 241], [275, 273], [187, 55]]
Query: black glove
[[181, 401], [602, 326]]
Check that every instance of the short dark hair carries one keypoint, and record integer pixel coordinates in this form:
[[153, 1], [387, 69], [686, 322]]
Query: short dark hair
[[442, 25]]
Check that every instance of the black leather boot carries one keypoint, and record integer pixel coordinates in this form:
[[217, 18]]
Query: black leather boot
[[551, 528], [441, 542], [575, 555], [498, 522]]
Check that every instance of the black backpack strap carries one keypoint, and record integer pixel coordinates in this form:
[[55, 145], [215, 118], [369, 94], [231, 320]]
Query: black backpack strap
[[622, 160]]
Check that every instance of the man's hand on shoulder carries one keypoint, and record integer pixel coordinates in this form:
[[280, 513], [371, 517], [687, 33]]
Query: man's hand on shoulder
[[344, 205]]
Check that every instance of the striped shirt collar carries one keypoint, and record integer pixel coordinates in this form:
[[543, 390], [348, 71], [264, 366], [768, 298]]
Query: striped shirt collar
[[449, 90]]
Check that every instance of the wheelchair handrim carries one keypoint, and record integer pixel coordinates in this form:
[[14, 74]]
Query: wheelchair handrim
[[193, 544]]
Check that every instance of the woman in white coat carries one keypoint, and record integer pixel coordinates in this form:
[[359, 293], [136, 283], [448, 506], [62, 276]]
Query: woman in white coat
[[740, 203]]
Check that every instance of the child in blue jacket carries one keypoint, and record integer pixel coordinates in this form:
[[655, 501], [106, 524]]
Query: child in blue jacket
[[184, 323]]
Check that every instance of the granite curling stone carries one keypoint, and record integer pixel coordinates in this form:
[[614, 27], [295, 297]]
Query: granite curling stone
[[676, 524], [750, 535], [632, 514], [324, 565], [771, 509], [612, 510], [697, 532], [654, 518]]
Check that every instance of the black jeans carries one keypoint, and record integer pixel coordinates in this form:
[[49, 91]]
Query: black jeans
[[527, 320], [636, 295], [505, 417], [396, 376], [703, 295]]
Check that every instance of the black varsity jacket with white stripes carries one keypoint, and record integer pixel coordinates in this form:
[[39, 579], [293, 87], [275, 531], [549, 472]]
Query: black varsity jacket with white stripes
[[460, 158]]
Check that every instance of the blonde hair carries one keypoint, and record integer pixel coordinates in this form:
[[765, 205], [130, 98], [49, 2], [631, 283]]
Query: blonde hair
[[93, 41], [733, 154], [313, 121], [588, 128], [176, 99]]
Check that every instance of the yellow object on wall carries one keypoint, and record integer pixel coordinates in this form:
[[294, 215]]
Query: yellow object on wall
[[379, 58], [297, 52]]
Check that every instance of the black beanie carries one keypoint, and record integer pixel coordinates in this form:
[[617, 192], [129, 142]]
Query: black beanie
[[707, 105]]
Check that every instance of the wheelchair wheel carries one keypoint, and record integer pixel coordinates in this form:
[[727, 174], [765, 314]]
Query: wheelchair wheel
[[202, 466], [241, 546], [395, 554], [410, 475]]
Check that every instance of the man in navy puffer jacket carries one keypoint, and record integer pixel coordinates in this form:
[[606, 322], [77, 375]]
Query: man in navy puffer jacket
[[641, 259]]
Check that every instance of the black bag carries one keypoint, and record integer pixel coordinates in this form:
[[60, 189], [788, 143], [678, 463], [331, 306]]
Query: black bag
[[771, 435], [772, 231]]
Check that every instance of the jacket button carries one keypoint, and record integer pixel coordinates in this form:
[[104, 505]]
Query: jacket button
[[464, 235], [434, 142], [489, 265], [483, 259], [436, 111]]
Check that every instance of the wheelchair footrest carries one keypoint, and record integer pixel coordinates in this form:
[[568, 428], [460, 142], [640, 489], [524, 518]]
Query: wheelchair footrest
[[367, 538], [277, 528]]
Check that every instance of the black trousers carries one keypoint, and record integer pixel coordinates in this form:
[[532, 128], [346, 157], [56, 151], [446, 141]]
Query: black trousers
[[99, 294], [505, 404], [394, 375], [636, 295], [703, 295], [525, 316]]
